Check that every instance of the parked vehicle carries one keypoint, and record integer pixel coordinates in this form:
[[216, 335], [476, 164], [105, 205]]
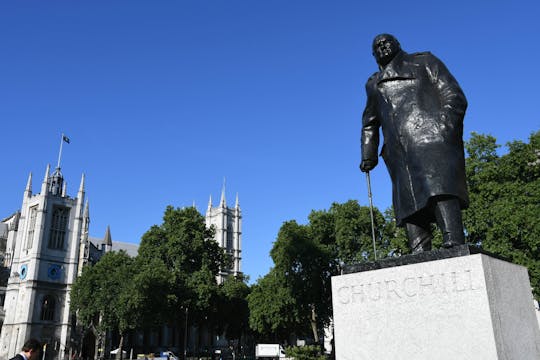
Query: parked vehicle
[[169, 355], [272, 351]]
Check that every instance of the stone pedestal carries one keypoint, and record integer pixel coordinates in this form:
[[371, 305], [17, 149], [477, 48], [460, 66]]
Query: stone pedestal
[[471, 307]]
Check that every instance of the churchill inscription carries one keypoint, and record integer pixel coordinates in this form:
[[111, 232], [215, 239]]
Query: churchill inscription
[[407, 287]]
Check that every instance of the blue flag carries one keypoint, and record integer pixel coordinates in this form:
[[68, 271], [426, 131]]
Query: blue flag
[[65, 138]]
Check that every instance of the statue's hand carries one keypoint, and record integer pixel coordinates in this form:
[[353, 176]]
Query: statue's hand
[[367, 165]]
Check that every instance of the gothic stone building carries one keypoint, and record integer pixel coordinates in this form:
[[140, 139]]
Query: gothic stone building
[[45, 246]]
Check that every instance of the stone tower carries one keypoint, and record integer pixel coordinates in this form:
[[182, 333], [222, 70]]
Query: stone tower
[[44, 253], [227, 223]]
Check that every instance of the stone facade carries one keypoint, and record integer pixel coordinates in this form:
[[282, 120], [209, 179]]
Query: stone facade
[[45, 246], [227, 223], [43, 253], [468, 307]]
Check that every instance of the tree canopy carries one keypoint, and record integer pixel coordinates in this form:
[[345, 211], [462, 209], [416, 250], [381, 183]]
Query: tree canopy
[[98, 291], [99, 295], [191, 259], [295, 297], [504, 193], [174, 274]]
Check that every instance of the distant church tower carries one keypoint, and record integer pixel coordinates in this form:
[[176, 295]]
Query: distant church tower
[[44, 255], [228, 226]]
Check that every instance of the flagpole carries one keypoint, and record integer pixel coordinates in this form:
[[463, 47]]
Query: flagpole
[[60, 153]]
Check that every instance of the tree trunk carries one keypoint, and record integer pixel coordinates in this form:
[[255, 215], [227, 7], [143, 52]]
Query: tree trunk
[[313, 321], [119, 354], [99, 345]]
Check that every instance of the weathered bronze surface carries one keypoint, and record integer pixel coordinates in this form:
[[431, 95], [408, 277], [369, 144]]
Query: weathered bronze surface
[[420, 107]]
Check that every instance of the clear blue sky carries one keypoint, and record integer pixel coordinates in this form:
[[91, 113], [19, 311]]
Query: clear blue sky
[[163, 99]]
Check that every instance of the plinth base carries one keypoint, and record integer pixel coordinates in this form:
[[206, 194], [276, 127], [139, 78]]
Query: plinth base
[[470, 307]]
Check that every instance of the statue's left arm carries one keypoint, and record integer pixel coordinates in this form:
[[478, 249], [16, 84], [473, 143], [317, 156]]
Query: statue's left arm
[[452, 99]]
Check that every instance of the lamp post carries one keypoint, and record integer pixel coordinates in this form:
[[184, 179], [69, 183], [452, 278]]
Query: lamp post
[[185, 332]]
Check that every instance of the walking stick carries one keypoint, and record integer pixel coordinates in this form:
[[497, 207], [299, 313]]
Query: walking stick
[[371, 213]]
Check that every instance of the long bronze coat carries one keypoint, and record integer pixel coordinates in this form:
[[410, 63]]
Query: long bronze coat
[[420, 107]]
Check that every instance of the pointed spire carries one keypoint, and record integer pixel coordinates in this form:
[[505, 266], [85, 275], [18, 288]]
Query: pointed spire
[[28, 190], [86, 220], [107, 241], [14, 226], [237, 205], [210, 202], [45, 180], [86, 211], [81, 187], [222, 202], [47, 172]]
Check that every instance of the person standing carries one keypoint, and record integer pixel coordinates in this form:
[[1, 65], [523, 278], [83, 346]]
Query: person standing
[[29, 351], [420, 107]]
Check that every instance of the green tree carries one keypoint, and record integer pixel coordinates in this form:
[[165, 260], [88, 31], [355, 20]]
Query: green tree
[[306, 265], [143, 297], [297, 289], [186, 252], [395, 238], [232, 311], [310, 352], [504, 196], [97, 295], [273, 310], [352, 231]]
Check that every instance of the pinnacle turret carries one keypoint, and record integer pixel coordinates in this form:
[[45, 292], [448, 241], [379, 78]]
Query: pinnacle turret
[[222, 202], [107, 240], [45, 183], [28, 189], [86, 211], [56, 182], [81, 186]]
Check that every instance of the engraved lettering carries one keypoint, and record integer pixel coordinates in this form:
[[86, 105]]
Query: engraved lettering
[[470, 279], [453, 277], [358, 290], [410, 286], [443, 281], [377, 296], [466, 282], [426, 284], [391, 286], [344, 298]]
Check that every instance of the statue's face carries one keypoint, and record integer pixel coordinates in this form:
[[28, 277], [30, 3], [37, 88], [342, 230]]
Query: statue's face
[[385, 47]]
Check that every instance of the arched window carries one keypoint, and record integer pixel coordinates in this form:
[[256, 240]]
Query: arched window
[[31, 227], [59, 224], [47, 308], [230, 236]]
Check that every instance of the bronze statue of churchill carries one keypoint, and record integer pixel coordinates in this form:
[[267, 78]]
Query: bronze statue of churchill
[[420, 108]]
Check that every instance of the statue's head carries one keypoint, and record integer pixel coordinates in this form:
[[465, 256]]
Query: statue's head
[[385, 47]]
